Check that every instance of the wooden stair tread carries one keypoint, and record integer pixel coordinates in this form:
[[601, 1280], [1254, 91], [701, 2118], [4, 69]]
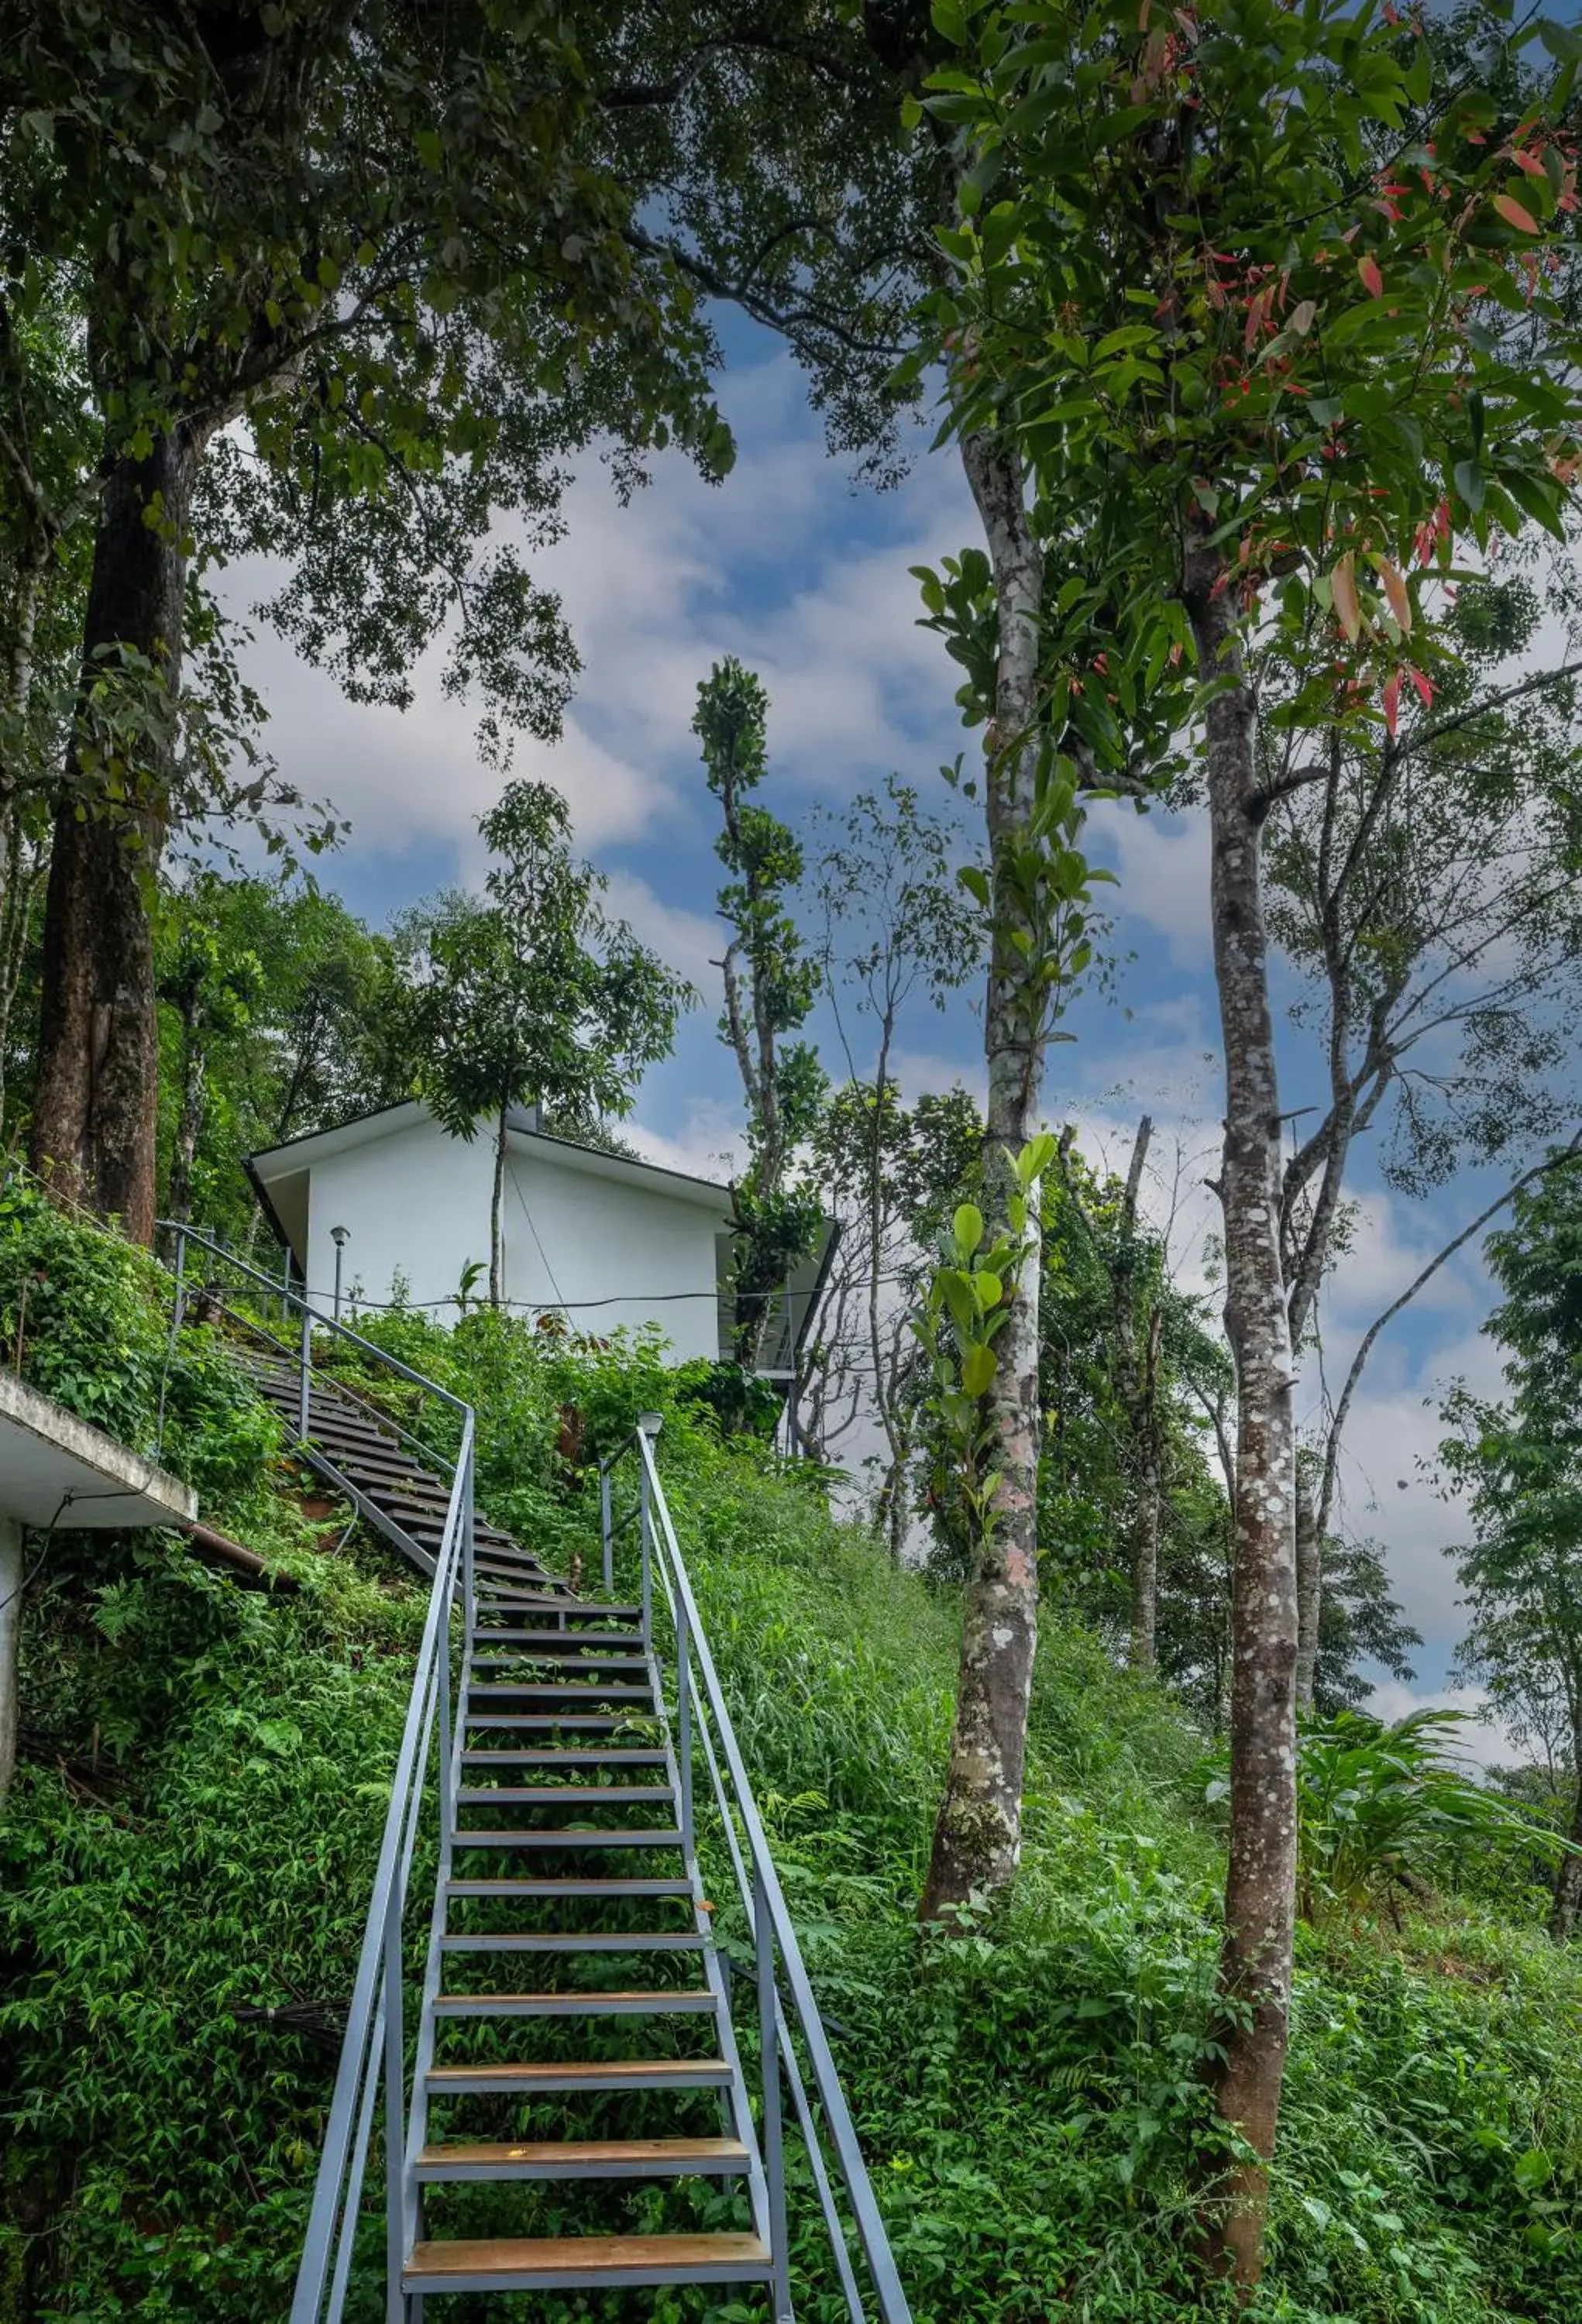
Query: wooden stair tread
[[563, 1886], [590, 1941], [576, 2069], [595, 2256], [594, 2150], [572, 1795], [570, 1836], [616, 1757], [624, 2001]]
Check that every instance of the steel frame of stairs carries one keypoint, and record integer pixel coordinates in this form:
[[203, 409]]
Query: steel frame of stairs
[[604, 1709]]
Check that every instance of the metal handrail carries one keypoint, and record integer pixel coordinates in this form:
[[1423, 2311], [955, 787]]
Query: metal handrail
[[373, 2048], [777, 1954], [373, 2064], [311, 1318]]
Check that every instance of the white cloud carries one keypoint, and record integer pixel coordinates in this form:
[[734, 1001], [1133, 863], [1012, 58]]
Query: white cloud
[[1162, 862], [689, 942], [708, 1145], [1482, 1741]]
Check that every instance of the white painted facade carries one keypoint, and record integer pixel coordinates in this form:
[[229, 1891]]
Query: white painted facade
[[603, 1240]]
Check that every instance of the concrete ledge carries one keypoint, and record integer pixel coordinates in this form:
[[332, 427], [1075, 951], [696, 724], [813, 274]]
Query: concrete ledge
[[55, 1470]]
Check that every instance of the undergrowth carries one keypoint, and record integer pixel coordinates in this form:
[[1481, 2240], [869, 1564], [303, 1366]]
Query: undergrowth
[[192, 1833]]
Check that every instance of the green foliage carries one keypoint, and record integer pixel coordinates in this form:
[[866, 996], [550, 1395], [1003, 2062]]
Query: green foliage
[[770, 982], [1381, 1809], [1522, 1460], [1215, 338], [85, 1318], [967, 1307], [199, 1811], [534, 995]]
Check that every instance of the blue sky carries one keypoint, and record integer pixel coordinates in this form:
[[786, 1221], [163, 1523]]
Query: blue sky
[[805, 577]]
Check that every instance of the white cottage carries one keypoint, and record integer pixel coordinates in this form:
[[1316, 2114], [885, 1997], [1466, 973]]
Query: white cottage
[[594, 1238]]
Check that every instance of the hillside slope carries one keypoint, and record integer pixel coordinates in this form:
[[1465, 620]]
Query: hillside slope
[[189, 1839]]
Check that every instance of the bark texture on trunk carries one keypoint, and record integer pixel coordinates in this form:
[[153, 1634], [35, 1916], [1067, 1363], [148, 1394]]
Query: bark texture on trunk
[[977, 1838], [1145, 1523], [1568, 1899], [1255, 1964], [95, 1107], [497, 1219], [1310, 1589], [10, 1629], [188, 1125]]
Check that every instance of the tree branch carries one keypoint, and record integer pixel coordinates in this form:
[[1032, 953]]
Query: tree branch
[[1370, 1337]]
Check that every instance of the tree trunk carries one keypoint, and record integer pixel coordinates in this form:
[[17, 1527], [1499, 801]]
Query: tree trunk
[[26, 865], [498, 1220], [1568, 1902], [188, 1125], [1256, 1963], [11, 1578], [95, 1105], [1310, 1589], [1146, 1566], [977, 1838]]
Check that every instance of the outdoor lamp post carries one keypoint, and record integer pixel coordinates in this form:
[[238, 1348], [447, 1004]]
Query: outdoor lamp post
[[339, 1237]]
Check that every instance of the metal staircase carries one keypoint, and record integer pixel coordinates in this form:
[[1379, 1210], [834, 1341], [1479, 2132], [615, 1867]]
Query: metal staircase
[[579, 2084]]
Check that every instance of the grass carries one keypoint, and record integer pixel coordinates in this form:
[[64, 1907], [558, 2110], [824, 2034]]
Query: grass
[[193, 1831]]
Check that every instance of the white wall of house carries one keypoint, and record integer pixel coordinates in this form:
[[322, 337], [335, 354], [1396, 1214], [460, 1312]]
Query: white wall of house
[[607, 1244]]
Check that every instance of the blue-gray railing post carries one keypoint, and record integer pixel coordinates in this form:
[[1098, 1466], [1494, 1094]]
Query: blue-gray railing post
[[607, 1528], [305, 1391], [395, 2192], [442, 1686], [468, 1600], [649, 1424], [774, 2132], [179, 1306], [684, 1721]]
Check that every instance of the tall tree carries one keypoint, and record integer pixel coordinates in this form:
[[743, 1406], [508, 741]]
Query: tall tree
[[1205, 265], [211, 990], [351, 279], [771, 983], [897, 928], [892, 1174], [1422, 880], [533, 995], [1519, 1459]]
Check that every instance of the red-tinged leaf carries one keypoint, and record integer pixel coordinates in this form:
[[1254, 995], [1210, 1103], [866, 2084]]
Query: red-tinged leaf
[[1531, 163], [1513, 214], [1424, 686], [1393, 703], [1348, 612], [1396, 590], [1373, 280]]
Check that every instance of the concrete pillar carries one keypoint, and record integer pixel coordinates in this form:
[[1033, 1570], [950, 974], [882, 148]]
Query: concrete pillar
[[10, 1626]]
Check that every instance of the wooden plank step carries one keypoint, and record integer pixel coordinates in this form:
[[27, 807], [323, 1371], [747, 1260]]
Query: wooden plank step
[[617, 1690], [548, 1668], [576, 1609], [539, 1723], [586, 2158], [582, 2074], [615, 1758], [569, 1835], [652, 1941], [570, 1795], [558, 1643], [627, 2002], [561, 2263], [556, 1888]]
